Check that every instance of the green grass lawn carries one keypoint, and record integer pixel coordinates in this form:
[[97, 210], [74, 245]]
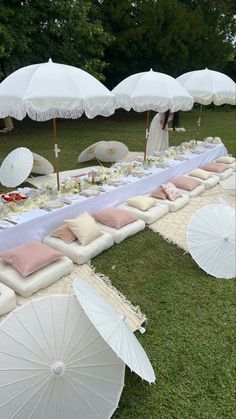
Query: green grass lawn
[[190, 336]]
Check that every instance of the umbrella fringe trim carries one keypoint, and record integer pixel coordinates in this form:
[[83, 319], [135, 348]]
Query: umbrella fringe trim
[[57, 113], [154, 107]]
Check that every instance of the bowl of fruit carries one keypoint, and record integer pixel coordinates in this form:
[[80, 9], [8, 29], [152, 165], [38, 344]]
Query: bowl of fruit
[[13, 196]]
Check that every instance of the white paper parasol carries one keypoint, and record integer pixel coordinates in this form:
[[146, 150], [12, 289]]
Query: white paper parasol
[[41, 166], [16, 167], [111, 326], [54, 363], [211, 240], [209, 86], [111, 151], [49, 90], [88, 153]]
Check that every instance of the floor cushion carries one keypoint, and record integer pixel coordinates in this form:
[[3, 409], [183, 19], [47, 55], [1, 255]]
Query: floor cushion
[[215, 167], [177, 204], [81, 254], [225, 159], [194, 192], [148, 216], [141, 202], [224, 175], [7, 299], [114, 217], [232, 165], [184, 183], [210, 182], [120, 234], [26, 286], [84, 228]]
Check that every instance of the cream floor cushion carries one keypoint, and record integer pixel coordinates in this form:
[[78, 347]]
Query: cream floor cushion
[[175, 205], [120, 234], [7, 299], [26, 286], [81, 254], [195, 192], [148, 216], [209, 183]]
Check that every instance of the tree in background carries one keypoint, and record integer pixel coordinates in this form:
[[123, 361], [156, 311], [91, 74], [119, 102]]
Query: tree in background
[[68, 31], [15, 33], [112, 39], [170, 36]]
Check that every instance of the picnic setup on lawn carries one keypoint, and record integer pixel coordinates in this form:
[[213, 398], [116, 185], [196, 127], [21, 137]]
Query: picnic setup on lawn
[[68, 328]]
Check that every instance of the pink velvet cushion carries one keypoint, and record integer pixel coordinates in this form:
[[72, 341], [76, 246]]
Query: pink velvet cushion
[[215, 167], [114, 217], [64, 233], [30, 257], [159, 193], [185, 183], [171, 191]]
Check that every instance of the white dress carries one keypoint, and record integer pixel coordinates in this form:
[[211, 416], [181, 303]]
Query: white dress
[[158, 138]]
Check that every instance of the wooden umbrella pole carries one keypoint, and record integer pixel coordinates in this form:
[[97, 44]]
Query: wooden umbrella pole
[[146, 136], [56, 150], [199, 124]]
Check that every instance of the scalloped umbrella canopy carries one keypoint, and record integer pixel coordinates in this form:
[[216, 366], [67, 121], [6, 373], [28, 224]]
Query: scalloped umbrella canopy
[[209, 86], [111, 326], [154, 91], [111, 151], [211, 240], [50, 90], [54, 363], [41, 166], [88, 153], [16, 167]]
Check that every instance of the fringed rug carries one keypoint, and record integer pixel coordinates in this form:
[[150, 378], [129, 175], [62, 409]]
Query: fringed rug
[[134, 318], [173, 226]]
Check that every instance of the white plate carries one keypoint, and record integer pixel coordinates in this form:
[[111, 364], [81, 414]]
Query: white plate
[[89, 193], [54, 204]]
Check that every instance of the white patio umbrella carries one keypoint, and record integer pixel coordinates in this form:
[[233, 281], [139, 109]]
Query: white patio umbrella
[[41, 166], [211, 240], [209, 86], [154, 91], [111, 326], [111, 151], [50, 90], [16, 167], [88, 153], [54, 363]]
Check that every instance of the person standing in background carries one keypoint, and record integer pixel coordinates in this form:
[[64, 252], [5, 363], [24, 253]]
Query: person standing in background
[[158, 138]]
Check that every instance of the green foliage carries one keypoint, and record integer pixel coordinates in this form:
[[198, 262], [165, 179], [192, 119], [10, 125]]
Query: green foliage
[[68, 31], [15, 32], [115, 38], [169, 36]]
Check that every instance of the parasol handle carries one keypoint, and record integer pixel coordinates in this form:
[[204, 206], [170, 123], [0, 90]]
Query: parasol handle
[[199, 124], [146, 135], [56, 151]]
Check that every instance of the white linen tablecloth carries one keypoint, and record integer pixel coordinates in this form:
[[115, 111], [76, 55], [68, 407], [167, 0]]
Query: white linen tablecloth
[[37, 228]]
